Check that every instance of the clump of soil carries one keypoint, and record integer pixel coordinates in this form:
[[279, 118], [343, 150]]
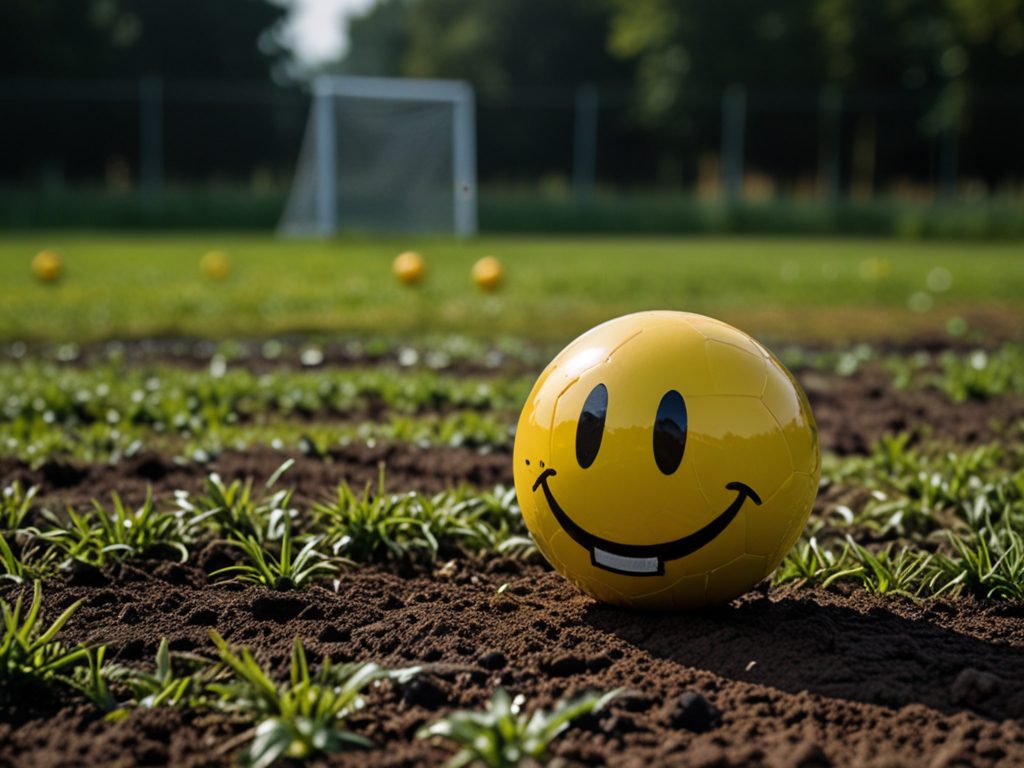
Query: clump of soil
[[787, 678]]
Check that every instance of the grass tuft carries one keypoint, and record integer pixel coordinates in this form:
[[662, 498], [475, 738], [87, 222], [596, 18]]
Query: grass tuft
[[15, 503], [99, 536], [30, 654], [302, 717], [504, 737], [286, 570]]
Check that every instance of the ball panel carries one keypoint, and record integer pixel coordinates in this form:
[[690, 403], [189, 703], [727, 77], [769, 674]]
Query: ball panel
[[768, 524], [735, 578], [734, 371], [723, 333], [739, 441], [799, 511], [789, 407], [622, 495], [726, 546], [663, 350], [688, 592]]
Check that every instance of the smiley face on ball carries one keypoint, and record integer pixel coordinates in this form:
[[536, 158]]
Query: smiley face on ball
[[665, 460]]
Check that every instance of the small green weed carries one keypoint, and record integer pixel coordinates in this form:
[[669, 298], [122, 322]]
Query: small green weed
[[98, 536], [503, 737], [991, 564], [231, 509], [302, 717], [884, 572], [808, 563], [378, 527], [29, 653], [286, 570], [374, 527], [27, 560], [164, 686], [92, 680], [15, 503]]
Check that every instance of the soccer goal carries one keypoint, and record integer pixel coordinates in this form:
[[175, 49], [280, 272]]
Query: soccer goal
[[385, 155]]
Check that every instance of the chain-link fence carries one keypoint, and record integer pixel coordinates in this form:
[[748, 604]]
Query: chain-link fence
[[150, 134]]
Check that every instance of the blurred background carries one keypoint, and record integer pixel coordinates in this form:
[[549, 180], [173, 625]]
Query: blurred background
[[897, 117]]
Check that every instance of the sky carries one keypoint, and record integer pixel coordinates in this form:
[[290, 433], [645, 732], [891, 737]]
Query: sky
[[319, 29]]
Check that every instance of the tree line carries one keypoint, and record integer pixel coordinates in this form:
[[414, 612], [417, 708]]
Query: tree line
[[912, 83]]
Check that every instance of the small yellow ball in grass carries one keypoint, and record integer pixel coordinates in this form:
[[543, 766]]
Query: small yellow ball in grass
[[47, 266], [409, 268], [215, 265], [488, 274]]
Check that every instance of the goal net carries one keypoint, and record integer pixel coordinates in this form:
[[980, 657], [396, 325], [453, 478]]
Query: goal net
[[385, 155]]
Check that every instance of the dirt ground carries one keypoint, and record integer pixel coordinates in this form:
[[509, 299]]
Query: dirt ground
[[790, 678], [793, 677]]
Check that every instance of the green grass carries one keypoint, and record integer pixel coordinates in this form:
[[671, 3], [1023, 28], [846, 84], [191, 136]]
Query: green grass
[[177, 680], [503, 736], [30, 654], [281, 547], [302, 717], [167, 398], [99, 536], [284, 569], [145, 285], [112, 409], [915, 522], [403, 527]]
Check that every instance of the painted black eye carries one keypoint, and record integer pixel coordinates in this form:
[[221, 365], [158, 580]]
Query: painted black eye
[[670, 432], [590, 427]]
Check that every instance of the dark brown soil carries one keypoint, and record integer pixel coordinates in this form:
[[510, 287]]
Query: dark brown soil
[[854, 412], [778, 678], [798, 677], [406, 467]]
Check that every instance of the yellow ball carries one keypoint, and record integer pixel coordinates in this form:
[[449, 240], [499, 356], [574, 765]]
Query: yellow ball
[[666, 461], [487, 274], [409, 268], [215, 265], [47, 266]]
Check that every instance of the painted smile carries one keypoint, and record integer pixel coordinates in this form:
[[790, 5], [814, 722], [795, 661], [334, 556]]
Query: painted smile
[[643, 559]]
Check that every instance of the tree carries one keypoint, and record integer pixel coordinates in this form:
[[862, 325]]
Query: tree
[[909, 67], [378, 41], [127, 38], [116, 42], [498, 45]]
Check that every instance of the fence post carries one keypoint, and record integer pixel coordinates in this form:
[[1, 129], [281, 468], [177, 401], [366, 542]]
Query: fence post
[[734, 116], [949, 156], [151, 133], [464, 163], [325, 152], [584, 146], [830, 141]]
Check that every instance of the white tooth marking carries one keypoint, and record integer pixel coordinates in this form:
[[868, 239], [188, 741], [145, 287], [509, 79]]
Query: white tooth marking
[[625, 564]]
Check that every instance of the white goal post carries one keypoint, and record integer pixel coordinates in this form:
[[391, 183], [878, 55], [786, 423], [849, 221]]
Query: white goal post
[[386, 154]]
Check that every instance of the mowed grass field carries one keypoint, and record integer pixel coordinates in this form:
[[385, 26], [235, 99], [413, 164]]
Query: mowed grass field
[[144, 285]]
